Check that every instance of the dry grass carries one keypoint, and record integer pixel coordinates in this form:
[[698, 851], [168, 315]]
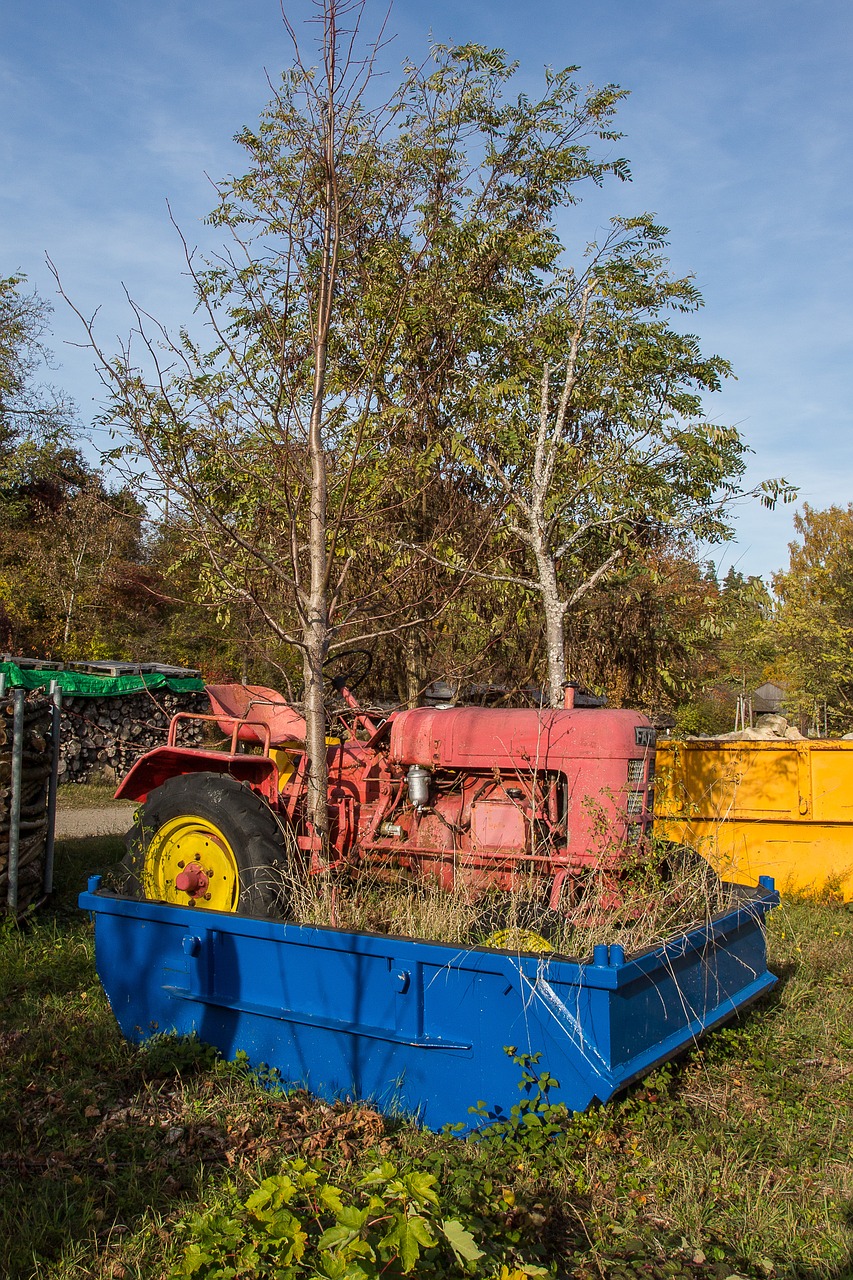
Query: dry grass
[[656, 896]]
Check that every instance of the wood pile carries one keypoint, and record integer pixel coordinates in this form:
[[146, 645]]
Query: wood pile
[[101, 738], [37, 758]]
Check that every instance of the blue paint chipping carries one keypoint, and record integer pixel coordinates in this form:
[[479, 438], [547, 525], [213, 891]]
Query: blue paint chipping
[[416, 1027]]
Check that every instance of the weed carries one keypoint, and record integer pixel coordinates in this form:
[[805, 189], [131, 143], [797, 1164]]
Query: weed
[[662, 890], [533, 1122], [168, 1055], [298, 1222]]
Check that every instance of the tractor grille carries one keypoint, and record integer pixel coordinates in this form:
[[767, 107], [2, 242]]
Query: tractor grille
[[640, 799], [636, 773], [636, 803]]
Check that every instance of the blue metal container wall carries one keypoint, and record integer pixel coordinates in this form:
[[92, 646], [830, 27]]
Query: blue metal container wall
[[419, 1027]]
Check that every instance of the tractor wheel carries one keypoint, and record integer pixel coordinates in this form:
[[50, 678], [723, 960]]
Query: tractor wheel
[[205, 840], [693, 876], [513, 923]]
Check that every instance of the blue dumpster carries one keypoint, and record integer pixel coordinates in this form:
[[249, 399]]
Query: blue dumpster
[[420, 1028]]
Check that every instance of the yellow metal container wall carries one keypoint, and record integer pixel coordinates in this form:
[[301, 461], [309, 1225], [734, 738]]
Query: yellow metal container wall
[[783, 809]]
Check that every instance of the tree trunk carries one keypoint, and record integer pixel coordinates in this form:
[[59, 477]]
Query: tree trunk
[[415, 668], [315, 629], [66, 635], [315, 716], [555, 622], [555, 643]]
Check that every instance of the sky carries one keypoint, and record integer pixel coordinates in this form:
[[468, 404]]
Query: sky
[[737, 128]]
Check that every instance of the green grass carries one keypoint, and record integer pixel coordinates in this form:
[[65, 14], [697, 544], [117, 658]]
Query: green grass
[[85, 795], [735, 1161]]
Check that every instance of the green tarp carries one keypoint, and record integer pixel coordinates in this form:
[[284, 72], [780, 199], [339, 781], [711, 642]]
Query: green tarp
[[82, 685]]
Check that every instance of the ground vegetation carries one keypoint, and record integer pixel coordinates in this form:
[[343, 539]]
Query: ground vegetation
[[120, 1162]]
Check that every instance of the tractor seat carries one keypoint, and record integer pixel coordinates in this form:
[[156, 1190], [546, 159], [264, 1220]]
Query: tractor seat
[[256, 705]]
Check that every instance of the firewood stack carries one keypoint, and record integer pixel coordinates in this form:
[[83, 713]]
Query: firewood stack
[[36, 764], [103, 737]]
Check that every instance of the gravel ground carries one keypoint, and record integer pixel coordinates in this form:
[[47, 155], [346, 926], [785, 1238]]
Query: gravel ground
[[79, 824]]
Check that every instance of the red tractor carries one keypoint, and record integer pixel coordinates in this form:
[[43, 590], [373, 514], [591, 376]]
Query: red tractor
[[474, 797]]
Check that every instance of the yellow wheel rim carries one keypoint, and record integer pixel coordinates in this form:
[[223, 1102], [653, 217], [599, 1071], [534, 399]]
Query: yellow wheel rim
[[193, 850], [518, 940]]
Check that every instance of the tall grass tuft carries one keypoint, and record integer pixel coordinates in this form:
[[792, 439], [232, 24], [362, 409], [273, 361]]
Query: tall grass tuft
[[659, 891]]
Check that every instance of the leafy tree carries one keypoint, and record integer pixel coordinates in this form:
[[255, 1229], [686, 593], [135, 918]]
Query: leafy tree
[[365, 305], [814, 617], [74, 582], [70, 551], [733, 652], [645, 635], [396, 371], [36, 422], [491, 172], [607, 456], [255, 441], [747, 647], [564, 406], [226, 643]]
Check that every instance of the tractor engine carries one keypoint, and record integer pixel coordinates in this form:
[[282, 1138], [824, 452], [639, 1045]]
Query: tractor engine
[[488, 797]]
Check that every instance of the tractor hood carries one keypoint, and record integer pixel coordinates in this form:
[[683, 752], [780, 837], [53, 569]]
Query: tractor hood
[[491, 737]]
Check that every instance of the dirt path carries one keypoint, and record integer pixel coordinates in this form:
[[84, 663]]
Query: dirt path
[[79, 824]]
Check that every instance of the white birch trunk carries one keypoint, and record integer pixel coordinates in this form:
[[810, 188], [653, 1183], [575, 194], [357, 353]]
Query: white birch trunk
[[554, 610]]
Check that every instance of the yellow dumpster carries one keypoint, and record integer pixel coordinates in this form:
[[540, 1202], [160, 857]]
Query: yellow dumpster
[[779, 808]]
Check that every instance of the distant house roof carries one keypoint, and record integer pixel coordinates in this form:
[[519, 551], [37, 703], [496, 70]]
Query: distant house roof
[[769, 696]]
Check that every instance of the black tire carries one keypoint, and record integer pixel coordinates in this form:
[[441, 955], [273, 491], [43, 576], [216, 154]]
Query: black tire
[[694, 874], [220, 822]]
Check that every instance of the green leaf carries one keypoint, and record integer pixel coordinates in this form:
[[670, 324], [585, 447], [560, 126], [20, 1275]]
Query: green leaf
[[407, 1237], [421, 1187], [381, 1174], [461, 1241], [330, 1198]]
